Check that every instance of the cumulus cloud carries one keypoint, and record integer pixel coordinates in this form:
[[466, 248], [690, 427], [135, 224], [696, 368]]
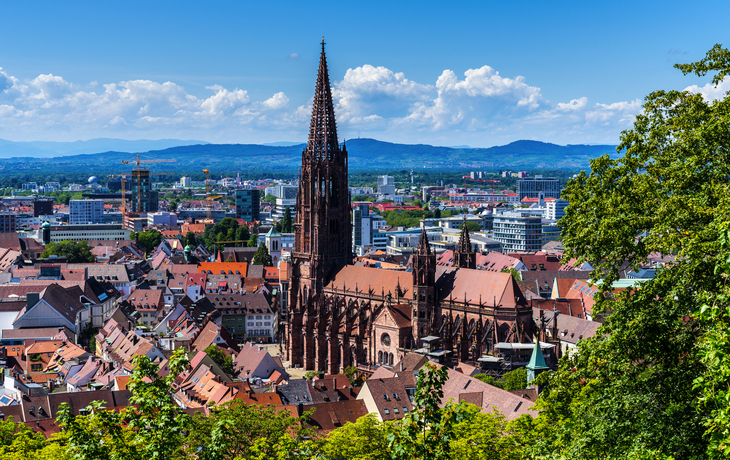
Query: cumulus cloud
[[294, 55], [709, 92], [479, 107]]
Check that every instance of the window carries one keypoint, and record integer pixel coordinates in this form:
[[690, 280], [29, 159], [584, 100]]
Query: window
[[386, 411], [385, 339]]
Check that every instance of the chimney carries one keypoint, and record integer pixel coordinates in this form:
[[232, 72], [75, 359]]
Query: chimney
[[401, 366], [32, 298]]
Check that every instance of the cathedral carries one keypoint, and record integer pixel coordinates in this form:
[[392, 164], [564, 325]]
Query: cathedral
[[344, 315]]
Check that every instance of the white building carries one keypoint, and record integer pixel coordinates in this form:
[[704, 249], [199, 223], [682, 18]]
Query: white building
[[386, 185], [186, 181], [162, 218], [518, 231], [555, 209], [85, 232], [86, 212]]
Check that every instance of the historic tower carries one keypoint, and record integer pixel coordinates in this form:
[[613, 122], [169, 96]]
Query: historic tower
[[464, 256], [424, 290], [322, 233]]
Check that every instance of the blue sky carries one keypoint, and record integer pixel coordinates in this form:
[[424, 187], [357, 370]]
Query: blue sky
[[446, 73]]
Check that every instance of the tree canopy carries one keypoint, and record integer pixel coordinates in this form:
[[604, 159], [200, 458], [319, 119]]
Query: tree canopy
[[149, 239], [262, 256], [654, 380], [75, 252]]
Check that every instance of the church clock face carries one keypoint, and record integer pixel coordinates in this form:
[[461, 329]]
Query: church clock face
[[385, 340]]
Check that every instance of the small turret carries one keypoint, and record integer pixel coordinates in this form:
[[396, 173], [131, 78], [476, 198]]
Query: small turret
[[46, 232]]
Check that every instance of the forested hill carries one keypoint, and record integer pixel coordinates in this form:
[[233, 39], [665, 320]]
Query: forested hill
[[363, 154]]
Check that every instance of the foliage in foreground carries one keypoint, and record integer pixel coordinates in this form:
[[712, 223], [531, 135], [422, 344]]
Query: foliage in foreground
[[76, 252], [653, 383]]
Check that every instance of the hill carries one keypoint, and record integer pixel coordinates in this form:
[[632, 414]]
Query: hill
[[363, 154]]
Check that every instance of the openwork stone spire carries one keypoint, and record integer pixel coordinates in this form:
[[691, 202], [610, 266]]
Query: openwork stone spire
[[323, 128], [423, 246], [464, 257]]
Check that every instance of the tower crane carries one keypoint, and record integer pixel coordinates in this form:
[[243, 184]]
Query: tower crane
[[137, 174]]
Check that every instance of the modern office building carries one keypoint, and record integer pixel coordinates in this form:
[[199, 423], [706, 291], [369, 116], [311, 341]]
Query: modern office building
[[42, 207], [248, 204], [386, 185], [281, 205], [518, 231], [86, 212], [162, 218], [285, 192], [85, 232], [531, 187], [8, 222], [361, 227], [144, 199]]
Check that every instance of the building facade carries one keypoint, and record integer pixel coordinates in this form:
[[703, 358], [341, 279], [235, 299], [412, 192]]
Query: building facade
[[8, 222], [248, 204], [386, 185], [86, 212], [530, 187], [518, 231], [88, 232]]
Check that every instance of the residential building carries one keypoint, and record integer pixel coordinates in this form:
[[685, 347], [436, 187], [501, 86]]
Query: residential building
[[386, 185], [518, 231], [86, 212], [186, 181], [248, 204], [147, 303], [530, 187], [555, 209]]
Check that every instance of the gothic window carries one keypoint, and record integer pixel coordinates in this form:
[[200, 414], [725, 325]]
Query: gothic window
[[380, 357], [391, 359]]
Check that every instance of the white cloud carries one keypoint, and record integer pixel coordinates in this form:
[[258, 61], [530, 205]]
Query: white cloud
[[294, 55], [709, 92], [480, 107]]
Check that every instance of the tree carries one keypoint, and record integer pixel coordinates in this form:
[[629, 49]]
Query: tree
[[269, 198], [242, 234], [427, 432], [75, 252], [262, 256], [490, 380], [351, 374], [223, 360], [654, 379], [286, 223], [366, 439], [437, 213], [254, 241], [19, 442], [189, 239], [236, 431], [515, 379], [471, 227], [149, 239], [485, 436], [152, 427]]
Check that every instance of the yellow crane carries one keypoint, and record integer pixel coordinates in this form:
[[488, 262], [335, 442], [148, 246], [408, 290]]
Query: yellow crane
[[137, 175], [124, 196], [208, 198]]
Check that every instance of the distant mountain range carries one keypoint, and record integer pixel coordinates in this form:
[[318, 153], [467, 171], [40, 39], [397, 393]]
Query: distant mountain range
[[363, 154], [43, 149]]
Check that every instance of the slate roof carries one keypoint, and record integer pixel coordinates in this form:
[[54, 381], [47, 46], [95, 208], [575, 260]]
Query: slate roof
[[390, 396]]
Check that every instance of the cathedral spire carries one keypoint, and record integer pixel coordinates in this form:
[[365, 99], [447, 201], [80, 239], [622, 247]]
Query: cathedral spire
[[424, 247], [464, 257], [323, 128]]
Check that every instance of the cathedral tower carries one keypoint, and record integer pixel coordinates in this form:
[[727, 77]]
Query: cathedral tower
[[424, 290], [322, 229], [464, 256]]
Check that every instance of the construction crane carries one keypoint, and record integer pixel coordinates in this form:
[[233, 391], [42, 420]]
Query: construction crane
[[138, 173], [209, 198], [481, 180], [124, 196]]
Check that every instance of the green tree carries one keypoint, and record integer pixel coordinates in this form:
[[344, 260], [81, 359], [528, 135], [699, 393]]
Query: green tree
[[427, 432], [490, 380], [286, 223], [235, 430], [19, 442], [515, 379], [437, 213], [152, 427], [149, 239], [242, 234], [75, 252], [366, 439], [485, 436], [653, 381], [254, 241], [471, 227], [269, 198], [262, 256], [189, 240], [351, 374], [223, 360]]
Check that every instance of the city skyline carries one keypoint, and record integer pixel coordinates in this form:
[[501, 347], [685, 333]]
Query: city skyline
[[475, 74]]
